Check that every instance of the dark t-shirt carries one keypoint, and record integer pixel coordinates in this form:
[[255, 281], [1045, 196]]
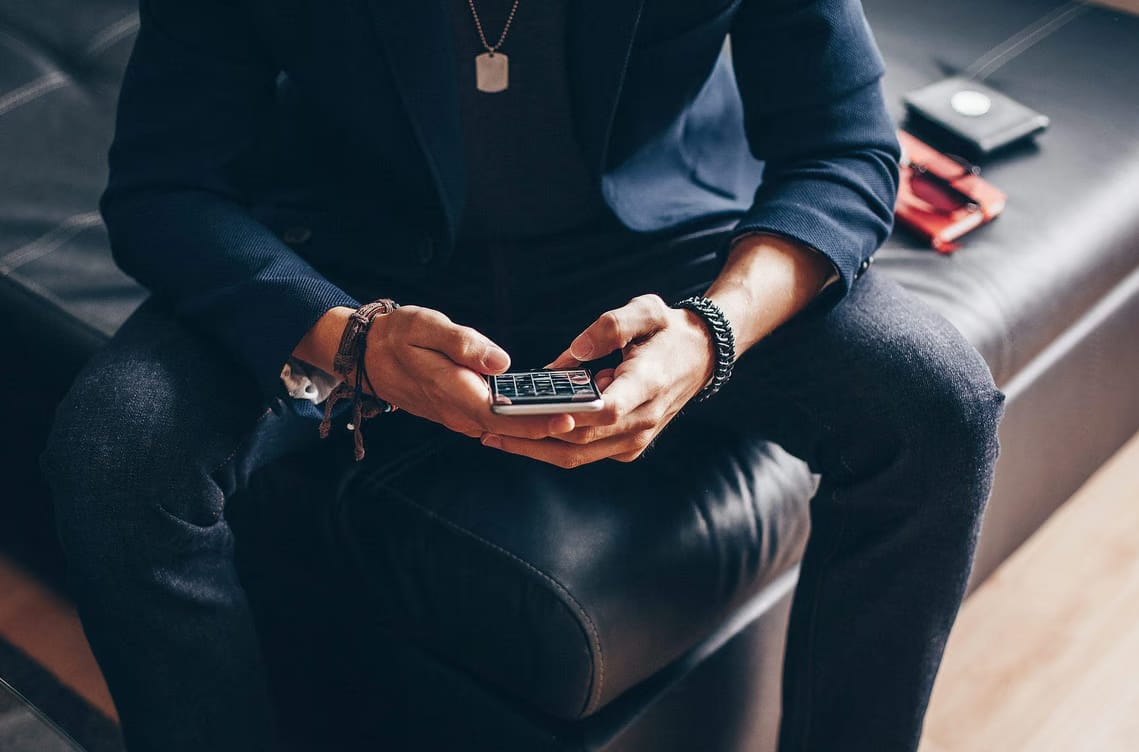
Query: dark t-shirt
[[526, 176]]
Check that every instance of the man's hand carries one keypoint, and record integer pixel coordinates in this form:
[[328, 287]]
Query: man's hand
[[431, 367], [420, 360], [668, 358], [668, 353]]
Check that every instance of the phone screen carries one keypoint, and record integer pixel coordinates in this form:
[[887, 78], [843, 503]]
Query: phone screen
[[534, 388]]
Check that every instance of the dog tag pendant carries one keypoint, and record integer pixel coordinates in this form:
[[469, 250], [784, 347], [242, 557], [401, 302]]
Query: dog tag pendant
[[492, 72]]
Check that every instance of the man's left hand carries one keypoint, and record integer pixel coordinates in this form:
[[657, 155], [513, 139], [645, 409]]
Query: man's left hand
[[667, 358]]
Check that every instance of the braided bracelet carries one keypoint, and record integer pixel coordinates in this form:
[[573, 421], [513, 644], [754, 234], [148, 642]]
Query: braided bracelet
[[723, 340], [349, 363]]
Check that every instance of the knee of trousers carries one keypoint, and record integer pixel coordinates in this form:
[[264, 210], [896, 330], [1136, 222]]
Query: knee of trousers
[[943, 410], [920, 415], [127, 459]]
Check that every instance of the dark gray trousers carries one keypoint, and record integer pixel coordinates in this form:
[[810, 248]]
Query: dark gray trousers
[[881, 396]]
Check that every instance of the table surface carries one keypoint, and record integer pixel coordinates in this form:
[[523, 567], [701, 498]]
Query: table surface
[[23, 726]]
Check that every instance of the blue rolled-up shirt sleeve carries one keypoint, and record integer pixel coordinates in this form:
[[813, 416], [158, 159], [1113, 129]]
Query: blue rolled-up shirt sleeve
[[195, 96], [809, 75]]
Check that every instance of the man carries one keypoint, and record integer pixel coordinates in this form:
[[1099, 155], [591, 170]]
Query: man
[[527, 178]]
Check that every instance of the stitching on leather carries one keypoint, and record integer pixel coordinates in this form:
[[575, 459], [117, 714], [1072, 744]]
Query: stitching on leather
[[1024, 40], [53, 80], [113, 34], [51, 297], [594, 695], [32, 91], [49, 242]]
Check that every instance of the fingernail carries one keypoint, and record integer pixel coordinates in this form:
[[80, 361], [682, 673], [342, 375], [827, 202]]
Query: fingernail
[[495, 360], [581, 348], [492, 441]]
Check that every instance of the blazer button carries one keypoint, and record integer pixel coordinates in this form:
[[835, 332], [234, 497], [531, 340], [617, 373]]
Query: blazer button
[[296, 235], [426, 251]]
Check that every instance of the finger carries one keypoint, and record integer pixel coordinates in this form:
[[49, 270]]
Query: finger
[[470, 397], [585, 432], [631, 387], [645, 420], [462, 344], [642, 420], [565, 360], [560, 453], [529, 426], [615, 329]]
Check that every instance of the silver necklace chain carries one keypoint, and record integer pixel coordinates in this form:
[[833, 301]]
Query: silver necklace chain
[[505, 29]]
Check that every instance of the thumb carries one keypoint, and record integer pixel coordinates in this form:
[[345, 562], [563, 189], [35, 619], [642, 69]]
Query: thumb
[[615, 329], [565, 360]]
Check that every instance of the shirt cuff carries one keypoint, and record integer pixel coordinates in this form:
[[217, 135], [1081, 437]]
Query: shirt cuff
[[305, 381]]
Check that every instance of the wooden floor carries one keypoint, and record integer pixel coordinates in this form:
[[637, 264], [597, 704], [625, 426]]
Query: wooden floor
[[45, 626], [1045, 656]]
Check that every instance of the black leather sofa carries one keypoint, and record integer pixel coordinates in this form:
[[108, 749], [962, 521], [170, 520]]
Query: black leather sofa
[[509, 616]]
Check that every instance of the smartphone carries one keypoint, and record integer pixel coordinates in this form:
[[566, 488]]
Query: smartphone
[[544, 392]]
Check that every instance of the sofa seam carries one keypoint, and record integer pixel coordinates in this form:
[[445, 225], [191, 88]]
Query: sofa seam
[[58, 77], [112, 35], [32, 90], [49, 242], [593, 696]]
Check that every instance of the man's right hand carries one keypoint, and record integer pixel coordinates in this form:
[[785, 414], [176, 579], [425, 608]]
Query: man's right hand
[[420, 360]]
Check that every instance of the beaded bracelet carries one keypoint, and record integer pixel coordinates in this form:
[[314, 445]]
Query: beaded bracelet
[[349, 363], [722, 338]]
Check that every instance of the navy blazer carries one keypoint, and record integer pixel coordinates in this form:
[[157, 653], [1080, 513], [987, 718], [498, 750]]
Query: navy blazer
[[241, 119]]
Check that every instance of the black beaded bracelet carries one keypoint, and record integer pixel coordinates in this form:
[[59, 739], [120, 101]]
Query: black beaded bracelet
[[722, 337]]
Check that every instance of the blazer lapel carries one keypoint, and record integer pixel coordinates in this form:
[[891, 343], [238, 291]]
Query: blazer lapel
[[601, 37], [416, 35]]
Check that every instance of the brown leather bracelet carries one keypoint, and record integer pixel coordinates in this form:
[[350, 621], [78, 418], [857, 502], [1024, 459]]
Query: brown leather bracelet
[[349, 364], [348, 352]]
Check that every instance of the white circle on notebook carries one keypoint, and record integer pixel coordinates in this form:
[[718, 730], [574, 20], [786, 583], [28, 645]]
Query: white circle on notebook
[[970, 103]]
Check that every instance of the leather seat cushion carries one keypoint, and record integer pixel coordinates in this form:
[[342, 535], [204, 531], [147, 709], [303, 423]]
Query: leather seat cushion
[[60, 65], [565, 588], [1070, 232]]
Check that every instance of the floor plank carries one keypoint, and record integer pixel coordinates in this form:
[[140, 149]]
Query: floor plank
[[1046, 653], [46, 627]]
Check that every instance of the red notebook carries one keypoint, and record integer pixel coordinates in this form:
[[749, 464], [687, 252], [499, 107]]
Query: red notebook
[[941, 197]]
